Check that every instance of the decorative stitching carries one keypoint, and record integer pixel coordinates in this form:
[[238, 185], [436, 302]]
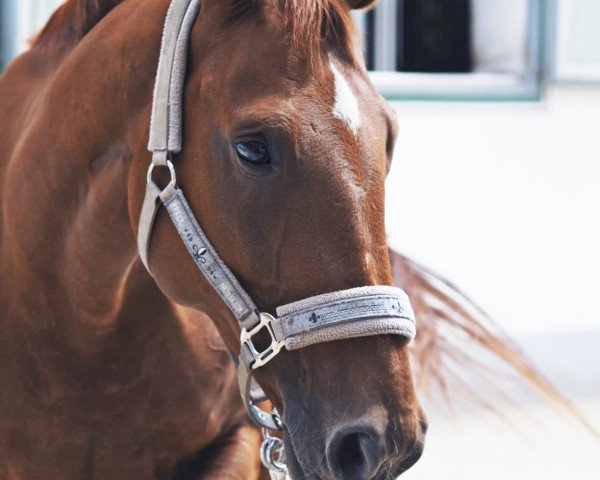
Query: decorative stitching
[[359, 297], [207, 259]]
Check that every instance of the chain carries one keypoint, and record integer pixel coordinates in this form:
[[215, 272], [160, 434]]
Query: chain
[[272, 455]]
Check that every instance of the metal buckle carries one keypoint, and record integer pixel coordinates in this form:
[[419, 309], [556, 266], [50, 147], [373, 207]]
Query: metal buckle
[[172, 183], [264, 357]]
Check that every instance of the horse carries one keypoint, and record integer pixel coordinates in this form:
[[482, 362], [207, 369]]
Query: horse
[[112, 370], [109, 371]]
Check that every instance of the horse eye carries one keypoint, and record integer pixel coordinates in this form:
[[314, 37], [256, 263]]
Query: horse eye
[[254, 152]]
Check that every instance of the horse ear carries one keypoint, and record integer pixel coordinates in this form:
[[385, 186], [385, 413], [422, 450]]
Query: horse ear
[[356, 4]]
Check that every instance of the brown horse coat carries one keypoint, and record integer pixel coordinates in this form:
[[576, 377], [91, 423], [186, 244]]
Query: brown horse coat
[[101, 375]]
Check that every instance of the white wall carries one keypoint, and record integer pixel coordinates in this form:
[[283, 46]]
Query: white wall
[[504, 200]]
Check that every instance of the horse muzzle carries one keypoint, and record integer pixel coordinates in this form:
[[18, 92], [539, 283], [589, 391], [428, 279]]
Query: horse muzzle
[[355, 451]]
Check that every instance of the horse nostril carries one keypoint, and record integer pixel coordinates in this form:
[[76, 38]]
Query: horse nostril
[[353, 453]]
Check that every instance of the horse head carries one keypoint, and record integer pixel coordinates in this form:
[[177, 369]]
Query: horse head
[[286, 148]]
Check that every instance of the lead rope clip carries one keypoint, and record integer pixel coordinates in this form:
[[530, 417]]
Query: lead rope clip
[[272, 456]]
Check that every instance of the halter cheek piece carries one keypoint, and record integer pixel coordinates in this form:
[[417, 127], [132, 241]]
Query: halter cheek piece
[[357, 312]]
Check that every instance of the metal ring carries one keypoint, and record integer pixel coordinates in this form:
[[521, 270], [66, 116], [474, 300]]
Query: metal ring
[[172, 183], [272, 453]]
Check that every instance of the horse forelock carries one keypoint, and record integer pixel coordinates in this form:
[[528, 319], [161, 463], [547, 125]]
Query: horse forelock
[[309, 24]]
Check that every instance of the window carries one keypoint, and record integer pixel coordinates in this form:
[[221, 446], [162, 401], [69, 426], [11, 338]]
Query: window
[[575, 49], [455, 49]]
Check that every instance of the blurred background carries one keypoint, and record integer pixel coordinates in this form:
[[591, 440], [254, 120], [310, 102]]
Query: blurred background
[[495, 185]]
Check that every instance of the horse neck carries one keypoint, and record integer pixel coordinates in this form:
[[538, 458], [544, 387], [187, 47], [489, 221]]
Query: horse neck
[[69, 240]]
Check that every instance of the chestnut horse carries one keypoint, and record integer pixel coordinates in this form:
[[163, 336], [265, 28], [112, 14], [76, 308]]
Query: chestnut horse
[[109, 372]]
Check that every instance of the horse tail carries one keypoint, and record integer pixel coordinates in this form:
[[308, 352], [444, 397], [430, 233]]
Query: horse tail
[[459, 351]]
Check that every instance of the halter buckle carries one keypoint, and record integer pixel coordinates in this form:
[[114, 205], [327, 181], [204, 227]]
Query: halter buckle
[[172, 182], [265, 356]]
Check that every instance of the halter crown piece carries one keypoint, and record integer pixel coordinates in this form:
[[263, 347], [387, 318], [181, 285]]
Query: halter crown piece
[[357, 312]]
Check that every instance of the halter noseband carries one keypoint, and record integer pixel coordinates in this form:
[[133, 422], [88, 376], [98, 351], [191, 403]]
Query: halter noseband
[[357, 312]]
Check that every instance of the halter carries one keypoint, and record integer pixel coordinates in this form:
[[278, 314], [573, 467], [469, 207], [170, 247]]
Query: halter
[[356, 312]]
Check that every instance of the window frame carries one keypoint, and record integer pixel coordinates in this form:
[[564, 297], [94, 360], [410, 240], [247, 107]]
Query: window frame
[[475, 86]]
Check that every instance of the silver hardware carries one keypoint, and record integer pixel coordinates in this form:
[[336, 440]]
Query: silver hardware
[[172, 183], [271, 421], [272, 456], [264, 357], [277, 419]]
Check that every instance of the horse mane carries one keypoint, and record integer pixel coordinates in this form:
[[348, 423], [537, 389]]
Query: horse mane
[[72, 21], [460, 354]]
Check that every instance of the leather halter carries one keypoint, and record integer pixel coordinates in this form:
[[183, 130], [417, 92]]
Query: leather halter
[[357, 312]]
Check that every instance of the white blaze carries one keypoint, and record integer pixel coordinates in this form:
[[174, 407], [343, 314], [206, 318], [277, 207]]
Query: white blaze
[[346, 104]]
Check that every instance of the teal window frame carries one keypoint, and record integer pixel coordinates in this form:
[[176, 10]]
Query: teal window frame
[[475, 86]]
